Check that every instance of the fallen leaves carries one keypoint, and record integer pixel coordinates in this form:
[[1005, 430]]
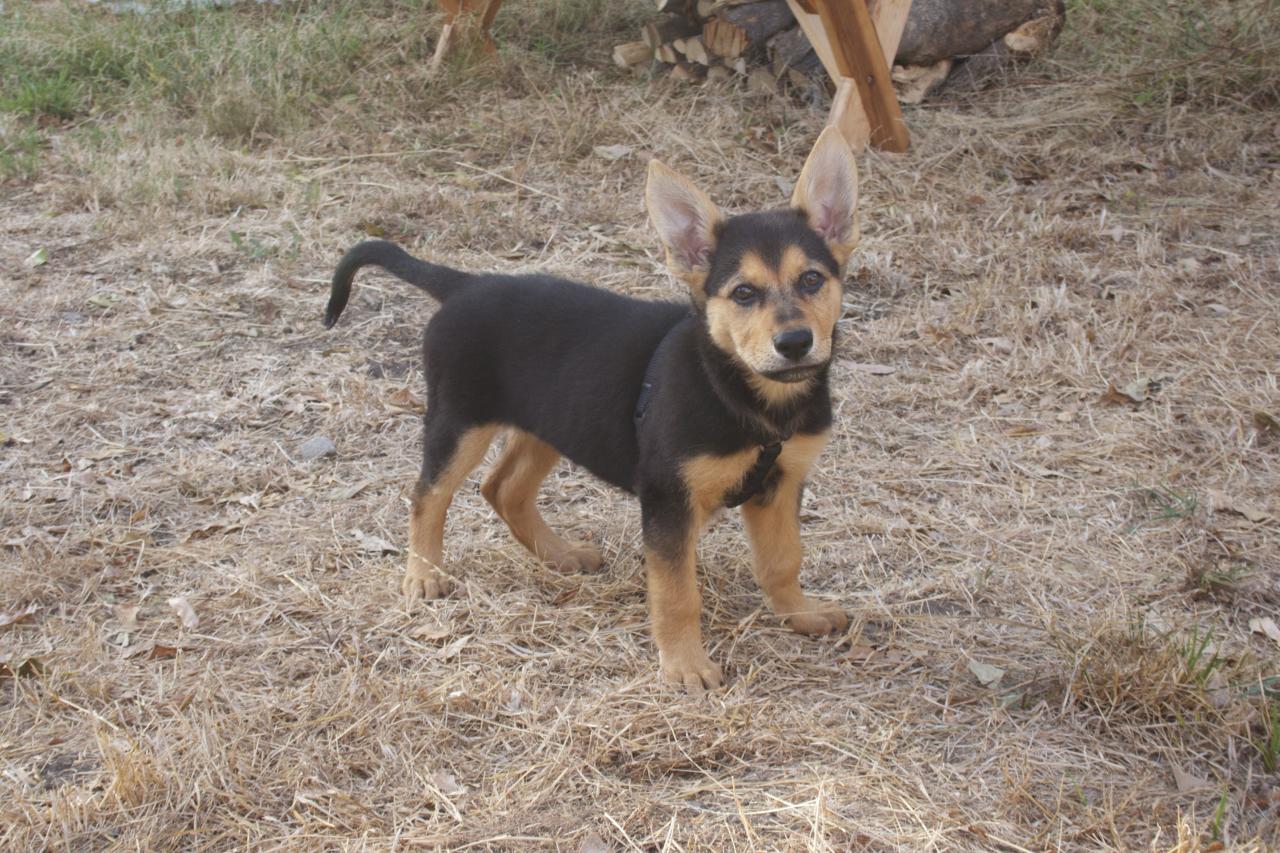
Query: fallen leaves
[[18, 616], [1222, 502], [38, 258], [127, 616], [1187, 782], [1133, 393], [873, 369], [405, 399], [447, 784], [371, 544], [185, 612], [317, 448], [431, 629], [1267, 626], [987, 674], [21, 668]]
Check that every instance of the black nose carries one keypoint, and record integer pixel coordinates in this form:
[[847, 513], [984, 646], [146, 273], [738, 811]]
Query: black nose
[[793, 343]]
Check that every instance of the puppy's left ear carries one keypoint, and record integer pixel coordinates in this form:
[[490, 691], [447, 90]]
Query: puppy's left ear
[[687, 222], [827, 193]]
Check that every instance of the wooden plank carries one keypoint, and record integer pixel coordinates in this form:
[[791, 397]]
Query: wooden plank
[[859, 56], [890, 18]]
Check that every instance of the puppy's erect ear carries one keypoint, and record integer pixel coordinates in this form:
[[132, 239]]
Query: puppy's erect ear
[[686, 220], [827, 193]]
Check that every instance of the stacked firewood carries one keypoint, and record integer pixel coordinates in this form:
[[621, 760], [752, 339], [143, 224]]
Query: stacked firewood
[[715, 40]]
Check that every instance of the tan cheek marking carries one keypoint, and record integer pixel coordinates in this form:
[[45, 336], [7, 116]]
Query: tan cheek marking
[[709, 478]]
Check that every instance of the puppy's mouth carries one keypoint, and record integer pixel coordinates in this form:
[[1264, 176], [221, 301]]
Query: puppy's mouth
[[795, 374]]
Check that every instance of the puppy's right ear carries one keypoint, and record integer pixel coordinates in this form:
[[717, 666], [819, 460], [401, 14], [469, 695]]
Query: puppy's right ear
[[687, 222]]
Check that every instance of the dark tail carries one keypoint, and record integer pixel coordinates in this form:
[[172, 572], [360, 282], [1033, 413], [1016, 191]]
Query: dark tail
[[440, 282]]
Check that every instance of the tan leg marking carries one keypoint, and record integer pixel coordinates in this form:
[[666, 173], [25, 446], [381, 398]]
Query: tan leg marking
[[774, 531], [424, 576], [512, 489], [675, 608]]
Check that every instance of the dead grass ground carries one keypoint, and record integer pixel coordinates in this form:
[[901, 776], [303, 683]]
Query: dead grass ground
[[985, 503]]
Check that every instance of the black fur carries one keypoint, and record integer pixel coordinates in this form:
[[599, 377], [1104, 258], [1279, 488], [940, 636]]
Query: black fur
[[565, 362]]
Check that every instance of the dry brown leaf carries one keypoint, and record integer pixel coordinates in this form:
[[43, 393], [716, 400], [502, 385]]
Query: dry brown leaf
[[451, 650], [593, 843], [127, 616], [447, 784], [21, 668], [1188, 782], [1223, 502], [430, 629], [404, 398], [7, 619], [1265, 625], [374, 544], [1115, 397], [987, 674], [873, 369], [186, 613]]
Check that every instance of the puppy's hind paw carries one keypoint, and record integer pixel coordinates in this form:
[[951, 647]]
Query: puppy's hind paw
[[580, 557]]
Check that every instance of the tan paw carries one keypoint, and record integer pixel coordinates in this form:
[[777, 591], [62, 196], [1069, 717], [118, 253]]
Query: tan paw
[[579, 557], [421, 581], [692, 668], [816, 619]]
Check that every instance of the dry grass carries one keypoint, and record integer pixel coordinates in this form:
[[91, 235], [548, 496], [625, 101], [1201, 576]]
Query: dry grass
[[981, 504]]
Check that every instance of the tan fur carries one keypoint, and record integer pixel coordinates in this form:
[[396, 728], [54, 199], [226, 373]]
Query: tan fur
[[512, 490], [748, 333], [425, 576], [774, 531], [709, 478], [676, 605]]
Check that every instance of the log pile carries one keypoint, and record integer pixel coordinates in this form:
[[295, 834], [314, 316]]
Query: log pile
[[959, 43]]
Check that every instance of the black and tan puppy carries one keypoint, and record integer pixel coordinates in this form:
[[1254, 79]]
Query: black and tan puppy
[[724, 403]]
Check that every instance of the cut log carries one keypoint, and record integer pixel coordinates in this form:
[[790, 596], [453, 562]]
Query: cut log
[[791, 49], [914, 83], [686, 72], [632, 54], [666, 53], [943, 29], [746, 30], [696, 51], [663, 32], [723, 39], [718, 74]]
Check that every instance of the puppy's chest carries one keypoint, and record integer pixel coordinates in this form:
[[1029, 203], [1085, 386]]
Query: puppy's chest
[[710, 478]]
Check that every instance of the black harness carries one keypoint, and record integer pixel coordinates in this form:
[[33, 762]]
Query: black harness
[[756, 479]]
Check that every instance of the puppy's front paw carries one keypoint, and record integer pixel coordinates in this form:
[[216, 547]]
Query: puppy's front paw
[[690, 667], [816, 618], [423, 581]]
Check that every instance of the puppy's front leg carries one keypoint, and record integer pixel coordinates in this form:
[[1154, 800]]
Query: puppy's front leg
[[773, 525], [675, 604]]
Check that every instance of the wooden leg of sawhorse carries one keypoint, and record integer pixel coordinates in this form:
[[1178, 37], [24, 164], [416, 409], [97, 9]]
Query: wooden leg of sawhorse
[[856, 47], [465, 20]]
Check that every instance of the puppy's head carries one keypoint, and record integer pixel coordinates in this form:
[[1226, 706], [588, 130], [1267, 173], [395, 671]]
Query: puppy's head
[[768, 285]]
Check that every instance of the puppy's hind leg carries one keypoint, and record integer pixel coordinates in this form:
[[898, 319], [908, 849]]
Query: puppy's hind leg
[[512, 490], [451, 451]]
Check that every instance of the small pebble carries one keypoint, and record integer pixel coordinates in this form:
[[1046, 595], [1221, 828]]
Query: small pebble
[[317, 447]]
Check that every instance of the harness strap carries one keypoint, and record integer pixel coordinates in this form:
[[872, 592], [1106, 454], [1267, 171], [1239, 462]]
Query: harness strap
[[757, 478]]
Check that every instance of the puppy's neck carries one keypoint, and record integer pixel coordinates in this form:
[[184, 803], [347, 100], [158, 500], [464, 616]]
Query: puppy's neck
[[767, 409]]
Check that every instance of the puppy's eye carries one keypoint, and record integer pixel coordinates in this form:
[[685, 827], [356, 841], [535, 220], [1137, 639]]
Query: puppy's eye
[[811, 281], [744, 294]]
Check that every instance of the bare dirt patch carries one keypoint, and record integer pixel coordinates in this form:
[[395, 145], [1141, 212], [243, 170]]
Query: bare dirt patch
[[1050, 501]]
